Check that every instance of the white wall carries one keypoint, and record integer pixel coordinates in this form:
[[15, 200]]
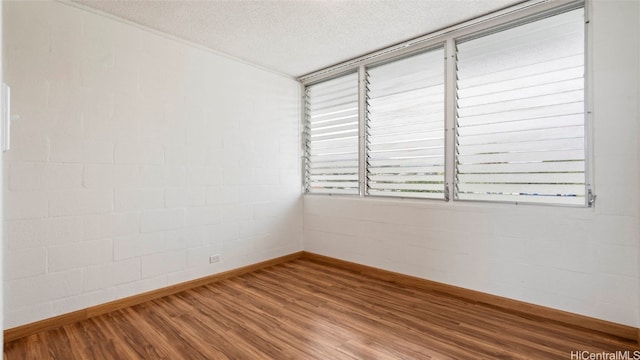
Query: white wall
[[638, 103], [135, 158], [575, 259], [2, 239]]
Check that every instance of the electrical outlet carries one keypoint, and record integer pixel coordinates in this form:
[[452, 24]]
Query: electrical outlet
[[214, 259]]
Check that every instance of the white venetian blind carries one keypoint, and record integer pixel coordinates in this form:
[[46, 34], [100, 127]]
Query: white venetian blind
[[520, 120], [405, 127], [332, 136]]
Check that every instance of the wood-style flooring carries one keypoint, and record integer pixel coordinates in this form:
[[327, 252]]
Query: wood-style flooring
[[307, 310]]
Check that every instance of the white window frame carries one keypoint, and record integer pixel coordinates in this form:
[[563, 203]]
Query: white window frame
[[508, 17], [335, 117], [439, 47]]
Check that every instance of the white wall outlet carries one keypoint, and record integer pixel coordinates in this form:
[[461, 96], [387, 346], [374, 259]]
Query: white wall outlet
[[214, 259]]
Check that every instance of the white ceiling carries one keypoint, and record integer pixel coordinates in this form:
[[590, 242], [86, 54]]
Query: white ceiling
[[296, 37]]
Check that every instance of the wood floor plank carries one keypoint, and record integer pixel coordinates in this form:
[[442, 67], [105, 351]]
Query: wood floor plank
[[308, 310]]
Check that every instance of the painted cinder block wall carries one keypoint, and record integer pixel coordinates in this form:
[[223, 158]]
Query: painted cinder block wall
[[1, 196], [135, 158], [582, 260], [138, 156]]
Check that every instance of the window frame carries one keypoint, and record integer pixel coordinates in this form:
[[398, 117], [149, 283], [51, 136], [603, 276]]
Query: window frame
[[436, 47], [447, 38], [307, 136], [588, 196]]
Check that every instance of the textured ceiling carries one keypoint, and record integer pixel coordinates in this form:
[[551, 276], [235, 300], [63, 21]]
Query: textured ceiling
[[295, 37]]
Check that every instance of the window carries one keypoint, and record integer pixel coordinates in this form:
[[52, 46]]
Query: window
[[512, 94], [405, 127], [520, 113], [331, 146]]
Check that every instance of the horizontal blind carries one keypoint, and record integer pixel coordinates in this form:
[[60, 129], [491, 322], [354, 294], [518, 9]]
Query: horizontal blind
[[331, 130], [520, 120], [405, 127]]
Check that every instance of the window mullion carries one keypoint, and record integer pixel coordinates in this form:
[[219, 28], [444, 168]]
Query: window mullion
[[362, 130], [450, 115], [588, 110]]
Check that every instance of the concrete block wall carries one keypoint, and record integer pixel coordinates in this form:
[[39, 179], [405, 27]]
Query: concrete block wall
[[1, 195], [135, 158], [575, 259]]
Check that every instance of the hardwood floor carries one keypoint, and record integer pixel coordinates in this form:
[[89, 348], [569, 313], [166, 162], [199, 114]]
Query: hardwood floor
[[307, 310]]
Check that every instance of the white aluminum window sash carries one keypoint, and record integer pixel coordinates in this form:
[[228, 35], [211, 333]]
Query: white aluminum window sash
[[405, 127], [520, 105], [331, 136]]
